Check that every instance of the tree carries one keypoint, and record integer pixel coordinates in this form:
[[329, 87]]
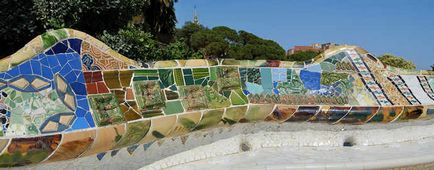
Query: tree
[[253, 47], [395, 61], [185, 33], [161, 19], [134, 43], [224, 42], [229, 35], [27, 19], [92, 17], [18, 25], [177, 50], [303, 56]]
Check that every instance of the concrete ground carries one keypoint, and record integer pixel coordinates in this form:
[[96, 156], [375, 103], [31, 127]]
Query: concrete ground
[[404, 155], [406, 146], [266, 145]]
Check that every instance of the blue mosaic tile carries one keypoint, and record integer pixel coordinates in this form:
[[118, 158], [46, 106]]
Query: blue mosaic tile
[[100, 155], [89, 119], [266, 80], [65, 70], [75, 63], [114, 153], [14, 72], [80, 123], [36, 67], [311, 80], [44, 61], [147, 145], [79, 88], [52, 61], [62, 60], [46, 73], [59, 48], [25, 68], [80, 112], [49, 52], [245, 92], [70, 77], [131, 149], [55, 69], [83, 103], [75, 44]]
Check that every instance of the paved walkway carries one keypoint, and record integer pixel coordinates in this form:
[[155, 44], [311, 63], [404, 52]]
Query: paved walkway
[[404, 147], [405, 154]]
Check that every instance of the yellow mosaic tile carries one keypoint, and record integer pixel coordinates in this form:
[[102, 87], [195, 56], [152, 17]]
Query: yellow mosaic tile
[[61, 85], [69, 100], [38, 83], [20, 83], [65, 119], [50, 127]]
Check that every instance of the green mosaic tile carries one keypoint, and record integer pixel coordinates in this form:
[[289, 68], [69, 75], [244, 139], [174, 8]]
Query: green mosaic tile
[[213, 73], [193, 97], [105, 109], [258, 112], [228, 78], [135, 132], [189, 80], [210, 119], [166, 77], [173, 107], [236, 99], [215, 99], [148, 95], [147, 72], [48, 40], [200, 73], [179, 79], [234, 114], [30, 110]]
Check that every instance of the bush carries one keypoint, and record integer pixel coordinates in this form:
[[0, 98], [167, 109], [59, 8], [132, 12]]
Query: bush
[[396, 61], [133, 43], [303, 56]]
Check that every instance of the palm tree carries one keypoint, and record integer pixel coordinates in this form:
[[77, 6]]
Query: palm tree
[[160, 18]]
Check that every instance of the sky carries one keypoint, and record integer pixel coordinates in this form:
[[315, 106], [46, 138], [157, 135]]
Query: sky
[[401, 27]]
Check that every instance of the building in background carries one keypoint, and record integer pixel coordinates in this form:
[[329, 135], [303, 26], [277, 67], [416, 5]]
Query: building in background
[[316, 47], [195, 16]]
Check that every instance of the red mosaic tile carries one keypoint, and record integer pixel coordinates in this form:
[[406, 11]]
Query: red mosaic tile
[[130, 94], [88, 77], [91, 88], [102, 88], [96, 76]]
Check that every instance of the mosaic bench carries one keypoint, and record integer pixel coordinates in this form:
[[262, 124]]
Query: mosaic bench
[[67, 95]]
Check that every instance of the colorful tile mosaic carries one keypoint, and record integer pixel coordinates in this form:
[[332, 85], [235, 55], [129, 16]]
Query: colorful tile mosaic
[[67, 95]]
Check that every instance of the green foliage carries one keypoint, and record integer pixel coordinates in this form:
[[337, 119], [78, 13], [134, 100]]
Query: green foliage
[[92, 17], [134, 43], [161, 19], [138, 44], [179, 50], [253, 47], [17, 25], [176, 50], [396, 61], [303, 56], [224, 42], [27, 19], [189, 28]]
